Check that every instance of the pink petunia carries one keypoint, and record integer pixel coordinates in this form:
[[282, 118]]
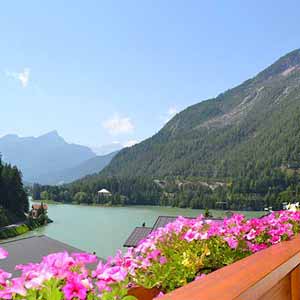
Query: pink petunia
[[3, 253], [75, 289]]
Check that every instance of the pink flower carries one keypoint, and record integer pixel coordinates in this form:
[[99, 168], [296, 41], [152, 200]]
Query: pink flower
[[84, 258], [38, 280], [3, 253], [114, 273], [190, 235], [232, 242], [3, 277], [159, 295], [200, 276], [74, 289], [154, 254], [16, 286], [251, 235], [162, 260]]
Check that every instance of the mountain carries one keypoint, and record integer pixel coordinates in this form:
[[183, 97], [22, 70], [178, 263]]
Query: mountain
[[238, 151], [108, 148], [48, 153], [88, 167], [254, 126]]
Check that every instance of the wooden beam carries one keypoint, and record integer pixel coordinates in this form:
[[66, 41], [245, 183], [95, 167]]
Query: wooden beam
[[295, 284]]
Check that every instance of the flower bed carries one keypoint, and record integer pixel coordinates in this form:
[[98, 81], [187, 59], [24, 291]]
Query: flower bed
[[183, 251]]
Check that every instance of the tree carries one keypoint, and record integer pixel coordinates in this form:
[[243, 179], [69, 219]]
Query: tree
[[45, 195], [81, 197], [13, 197]]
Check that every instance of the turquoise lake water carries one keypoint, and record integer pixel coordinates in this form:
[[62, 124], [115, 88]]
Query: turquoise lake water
[[105, 229]]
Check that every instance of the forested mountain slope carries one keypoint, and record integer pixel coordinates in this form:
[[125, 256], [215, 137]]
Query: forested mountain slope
[[239, 151], [246, 129]]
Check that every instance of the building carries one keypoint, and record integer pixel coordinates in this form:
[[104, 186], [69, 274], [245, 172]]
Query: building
[[32, 249], [36, 208], [105, 193]]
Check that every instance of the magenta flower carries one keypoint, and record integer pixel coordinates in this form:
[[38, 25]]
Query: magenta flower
[[74, 289], [77, 282], [3, 253], [3, 277], [84, 258]]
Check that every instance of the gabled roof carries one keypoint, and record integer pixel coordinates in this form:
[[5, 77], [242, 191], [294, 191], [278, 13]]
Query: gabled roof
[[138, 234], [104, 191], [38, 206]]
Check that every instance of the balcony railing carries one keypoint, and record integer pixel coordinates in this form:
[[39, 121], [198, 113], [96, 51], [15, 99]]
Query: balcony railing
[[271, 274]]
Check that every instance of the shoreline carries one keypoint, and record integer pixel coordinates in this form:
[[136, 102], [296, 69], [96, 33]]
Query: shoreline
[[142, 205], [14, 230]]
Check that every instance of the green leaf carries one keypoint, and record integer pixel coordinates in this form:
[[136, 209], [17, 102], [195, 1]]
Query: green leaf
[[129, 297]]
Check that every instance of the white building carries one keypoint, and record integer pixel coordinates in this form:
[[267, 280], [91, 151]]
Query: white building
[[104, 192]]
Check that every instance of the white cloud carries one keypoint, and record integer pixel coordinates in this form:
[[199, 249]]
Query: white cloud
[[130, 143], [171, 112], [22, 77], [118, 125]]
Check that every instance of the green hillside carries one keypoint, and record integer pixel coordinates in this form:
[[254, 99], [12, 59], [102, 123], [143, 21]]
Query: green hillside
[[240, 150], [256, 123]]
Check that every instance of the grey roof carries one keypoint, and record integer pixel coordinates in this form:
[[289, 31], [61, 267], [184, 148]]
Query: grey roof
[[138, 234], [162, 221], [32, 249]]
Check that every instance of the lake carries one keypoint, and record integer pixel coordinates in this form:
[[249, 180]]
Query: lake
[[105, 229]]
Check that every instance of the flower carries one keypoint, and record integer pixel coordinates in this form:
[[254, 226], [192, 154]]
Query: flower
[[293, 207], [84, 258], [3, 253], [74, 289], [3, 277], [187, 245]]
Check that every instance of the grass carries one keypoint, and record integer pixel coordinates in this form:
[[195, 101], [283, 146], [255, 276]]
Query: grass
[[13, 231]]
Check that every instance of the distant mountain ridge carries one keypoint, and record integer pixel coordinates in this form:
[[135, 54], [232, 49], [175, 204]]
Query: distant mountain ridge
[[48, 153], [89, 167], [252, 125]]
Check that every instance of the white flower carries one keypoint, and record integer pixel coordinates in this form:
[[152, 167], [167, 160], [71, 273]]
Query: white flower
[[293, 207]]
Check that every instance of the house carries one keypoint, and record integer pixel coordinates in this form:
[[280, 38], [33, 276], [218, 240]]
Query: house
[[105, 193], [36, 208]]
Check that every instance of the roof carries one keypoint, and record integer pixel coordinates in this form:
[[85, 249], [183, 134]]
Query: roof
[[138, 234], [162, 221], [104, 191], [32, 249], [37, 206]]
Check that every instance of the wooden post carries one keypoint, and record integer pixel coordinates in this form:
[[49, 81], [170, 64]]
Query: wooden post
[[295, 283]]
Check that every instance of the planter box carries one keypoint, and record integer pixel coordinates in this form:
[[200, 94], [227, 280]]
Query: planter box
[[271, 274], [142, 293]]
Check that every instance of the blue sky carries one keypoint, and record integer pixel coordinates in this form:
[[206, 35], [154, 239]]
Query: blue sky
[[105, 71]]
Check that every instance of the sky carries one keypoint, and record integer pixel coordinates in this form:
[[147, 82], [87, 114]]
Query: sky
[[102, 72]]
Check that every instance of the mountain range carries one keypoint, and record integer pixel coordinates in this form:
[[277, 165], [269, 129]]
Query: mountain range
[[253, 125], [246, 131], [49, 159], [238, 151]]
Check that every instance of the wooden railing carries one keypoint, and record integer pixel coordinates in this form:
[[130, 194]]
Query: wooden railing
[[271, 274]]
